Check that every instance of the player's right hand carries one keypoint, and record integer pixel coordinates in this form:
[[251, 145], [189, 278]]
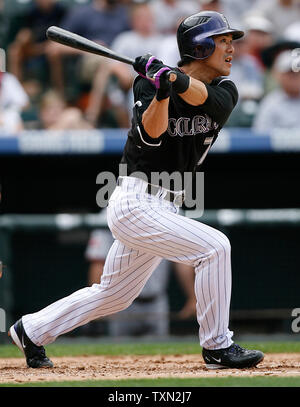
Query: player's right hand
[[157, 73]]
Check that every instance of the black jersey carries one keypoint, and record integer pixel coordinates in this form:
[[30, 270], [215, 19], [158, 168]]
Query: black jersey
[[191, 129]]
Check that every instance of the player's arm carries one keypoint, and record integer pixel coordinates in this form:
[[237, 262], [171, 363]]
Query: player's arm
[[191, 90], [196, 93], [155, 117], [219, 99]]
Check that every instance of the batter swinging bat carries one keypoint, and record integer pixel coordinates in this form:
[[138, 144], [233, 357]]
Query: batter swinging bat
[[73, 40]]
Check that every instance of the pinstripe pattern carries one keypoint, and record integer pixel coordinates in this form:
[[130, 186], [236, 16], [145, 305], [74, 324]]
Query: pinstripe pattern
[[146, 229]]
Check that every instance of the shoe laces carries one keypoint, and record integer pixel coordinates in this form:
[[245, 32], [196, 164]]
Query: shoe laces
[[38, 352], [41, 351], [236, 349]]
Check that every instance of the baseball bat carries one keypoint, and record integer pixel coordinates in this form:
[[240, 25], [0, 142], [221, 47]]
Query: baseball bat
[[76, 41], [73, 40]]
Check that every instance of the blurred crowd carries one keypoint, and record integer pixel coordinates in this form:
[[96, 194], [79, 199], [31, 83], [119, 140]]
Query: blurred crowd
[[45, 85]]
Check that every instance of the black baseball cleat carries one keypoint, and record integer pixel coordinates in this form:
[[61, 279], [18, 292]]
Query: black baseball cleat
[[35, 355], [234, 357]]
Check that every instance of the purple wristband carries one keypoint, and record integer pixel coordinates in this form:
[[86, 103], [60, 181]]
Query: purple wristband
[[142, 75], [158, 75], [150, 60]]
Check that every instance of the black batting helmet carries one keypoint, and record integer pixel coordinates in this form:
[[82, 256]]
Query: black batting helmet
[[194, 34]]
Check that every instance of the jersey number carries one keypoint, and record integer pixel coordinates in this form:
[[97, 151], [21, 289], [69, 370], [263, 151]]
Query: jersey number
[[208, 141]]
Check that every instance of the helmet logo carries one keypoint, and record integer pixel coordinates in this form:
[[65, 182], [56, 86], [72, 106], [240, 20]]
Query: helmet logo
[[225, 20], [195, 20]]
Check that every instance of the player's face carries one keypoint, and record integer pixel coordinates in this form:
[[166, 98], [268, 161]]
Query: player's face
[[221, 60]]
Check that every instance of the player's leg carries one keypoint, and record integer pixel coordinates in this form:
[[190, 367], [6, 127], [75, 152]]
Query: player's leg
[[154, 226], [126, 271], [151, 223]]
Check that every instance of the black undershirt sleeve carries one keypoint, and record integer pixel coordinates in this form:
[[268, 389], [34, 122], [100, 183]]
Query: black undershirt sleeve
[[221, 100]]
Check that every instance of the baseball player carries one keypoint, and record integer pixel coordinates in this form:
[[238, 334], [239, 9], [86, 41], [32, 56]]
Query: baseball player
[[176, 119]]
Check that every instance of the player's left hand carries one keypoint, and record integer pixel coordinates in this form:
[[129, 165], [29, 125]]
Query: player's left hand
[[151, 68], [141, 64]]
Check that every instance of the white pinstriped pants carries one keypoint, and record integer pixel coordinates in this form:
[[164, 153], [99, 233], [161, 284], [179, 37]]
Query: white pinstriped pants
[[147, 228]]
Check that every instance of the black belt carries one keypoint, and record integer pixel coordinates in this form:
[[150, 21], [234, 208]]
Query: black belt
[[170, 196]]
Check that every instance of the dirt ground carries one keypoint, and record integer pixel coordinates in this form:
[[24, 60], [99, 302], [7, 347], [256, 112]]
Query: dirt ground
[[132, 367]]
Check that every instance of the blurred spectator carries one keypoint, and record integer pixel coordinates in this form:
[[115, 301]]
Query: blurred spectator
[[100, 21], [235, 9], [246, 73], [4, 25], [56, 115], [141, 39], [289, 41], [213, 5], [167, 13], [281, 13], [292, 33], [149, 313], [281, 107], [167, 51], [248, 77], [13, 99], [26, 54], [259, 35]]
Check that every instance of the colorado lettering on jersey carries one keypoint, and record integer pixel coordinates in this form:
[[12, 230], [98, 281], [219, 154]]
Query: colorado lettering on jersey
[[185, 126]]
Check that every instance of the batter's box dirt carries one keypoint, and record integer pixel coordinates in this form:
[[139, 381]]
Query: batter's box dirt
[[133, 367]]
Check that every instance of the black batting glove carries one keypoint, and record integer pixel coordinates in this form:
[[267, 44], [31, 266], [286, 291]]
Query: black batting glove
[[157, 73], [141, 64], [151, 68]]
